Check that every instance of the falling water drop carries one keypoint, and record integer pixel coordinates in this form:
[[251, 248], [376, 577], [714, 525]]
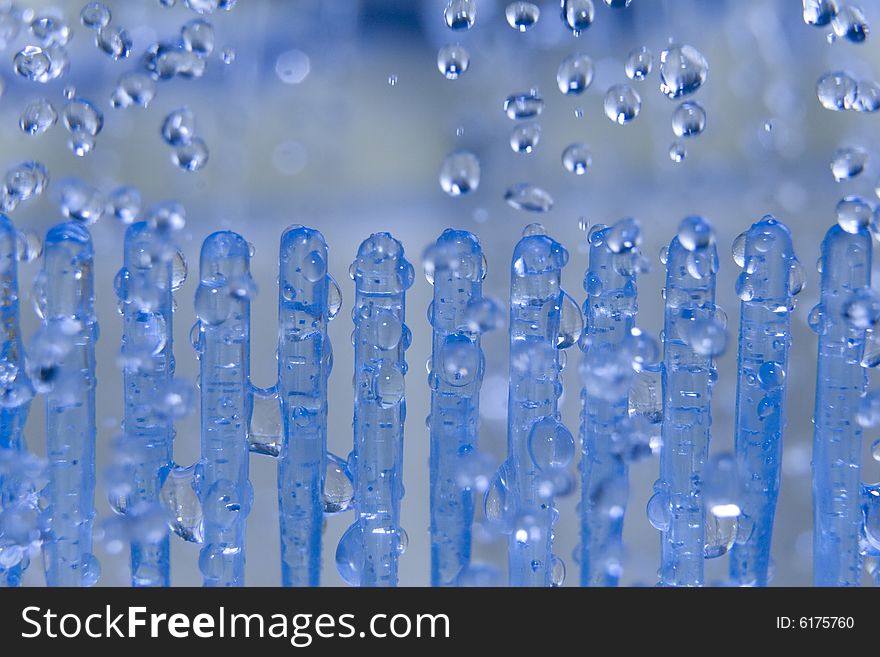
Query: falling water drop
[[848, 162], [460, 173], [639, 63], [577, 158], [453, 61], [575, 74], [689, 119], [622, 104], [522, 15]]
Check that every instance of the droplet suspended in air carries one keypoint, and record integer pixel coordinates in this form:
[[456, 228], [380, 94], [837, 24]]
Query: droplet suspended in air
[[819, 13], [133, 88], [460, 173], [460, 14], [525, 137], [125, 204], [38, 116], [528, 197], [836, 91], [178, 127], [523, 105], [677, 152], [191, 156], [95, 15], [50, 31], [848, 162], [114, 41], [577, 158], [522, 15], [577, 15], [574, 75], [32, 63], [197, 36], [849, 23], [867, 97], [689, 119], [622, 104], [618, 4], [639, 63], [683, 70], [853, 214], [453, 61]]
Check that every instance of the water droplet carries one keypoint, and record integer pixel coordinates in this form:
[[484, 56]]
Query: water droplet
[[191, 156], [133, 88], [557, 572], [82, 117], [227, 55], [720, 535], [166, 217], [80, 201], [460, 14], [453, 61], [575, 74], [392, 80], [848, 162], [577, 158], [577, 15], [29, 246], [551, 444], [694, 233], [197, 36], [849, 23], [571, 322], [853, 214], [293, 66], [771, 375], [522, 15], [180, 500], [525, 137], [460, 173], [388, 384], [25, 181], [528, 197], [639, 63], [618, 4], [861, 309], [114, 41], [125, 204], [338, 495], [178, 127], [50, 31], [721, 486], [460, 360], [264, 432], [819, 12], [94, 15], [658, 511], [689, 119], [875, 450], [836, 91], [683, 70], [32, 63], [622, 104], [38, 116], [350, 555], [707, 337], [867, 97], [677, 152], [523, 105]]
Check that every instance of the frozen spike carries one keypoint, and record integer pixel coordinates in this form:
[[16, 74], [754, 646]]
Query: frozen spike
[[64, 356], [688, 375], [764, 341], [368, 553], [841, 382], [455, 264], [304, 362], [223, 308], [610, 313]]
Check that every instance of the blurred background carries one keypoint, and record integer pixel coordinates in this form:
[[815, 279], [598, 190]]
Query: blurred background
[[335, 115]]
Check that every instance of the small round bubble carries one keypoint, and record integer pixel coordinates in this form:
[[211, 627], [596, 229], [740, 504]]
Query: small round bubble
[[574, 75], [577, 158], [689, 119], [453, 61], [522, 15], [639, 63], [622, 104], [460, 173]]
